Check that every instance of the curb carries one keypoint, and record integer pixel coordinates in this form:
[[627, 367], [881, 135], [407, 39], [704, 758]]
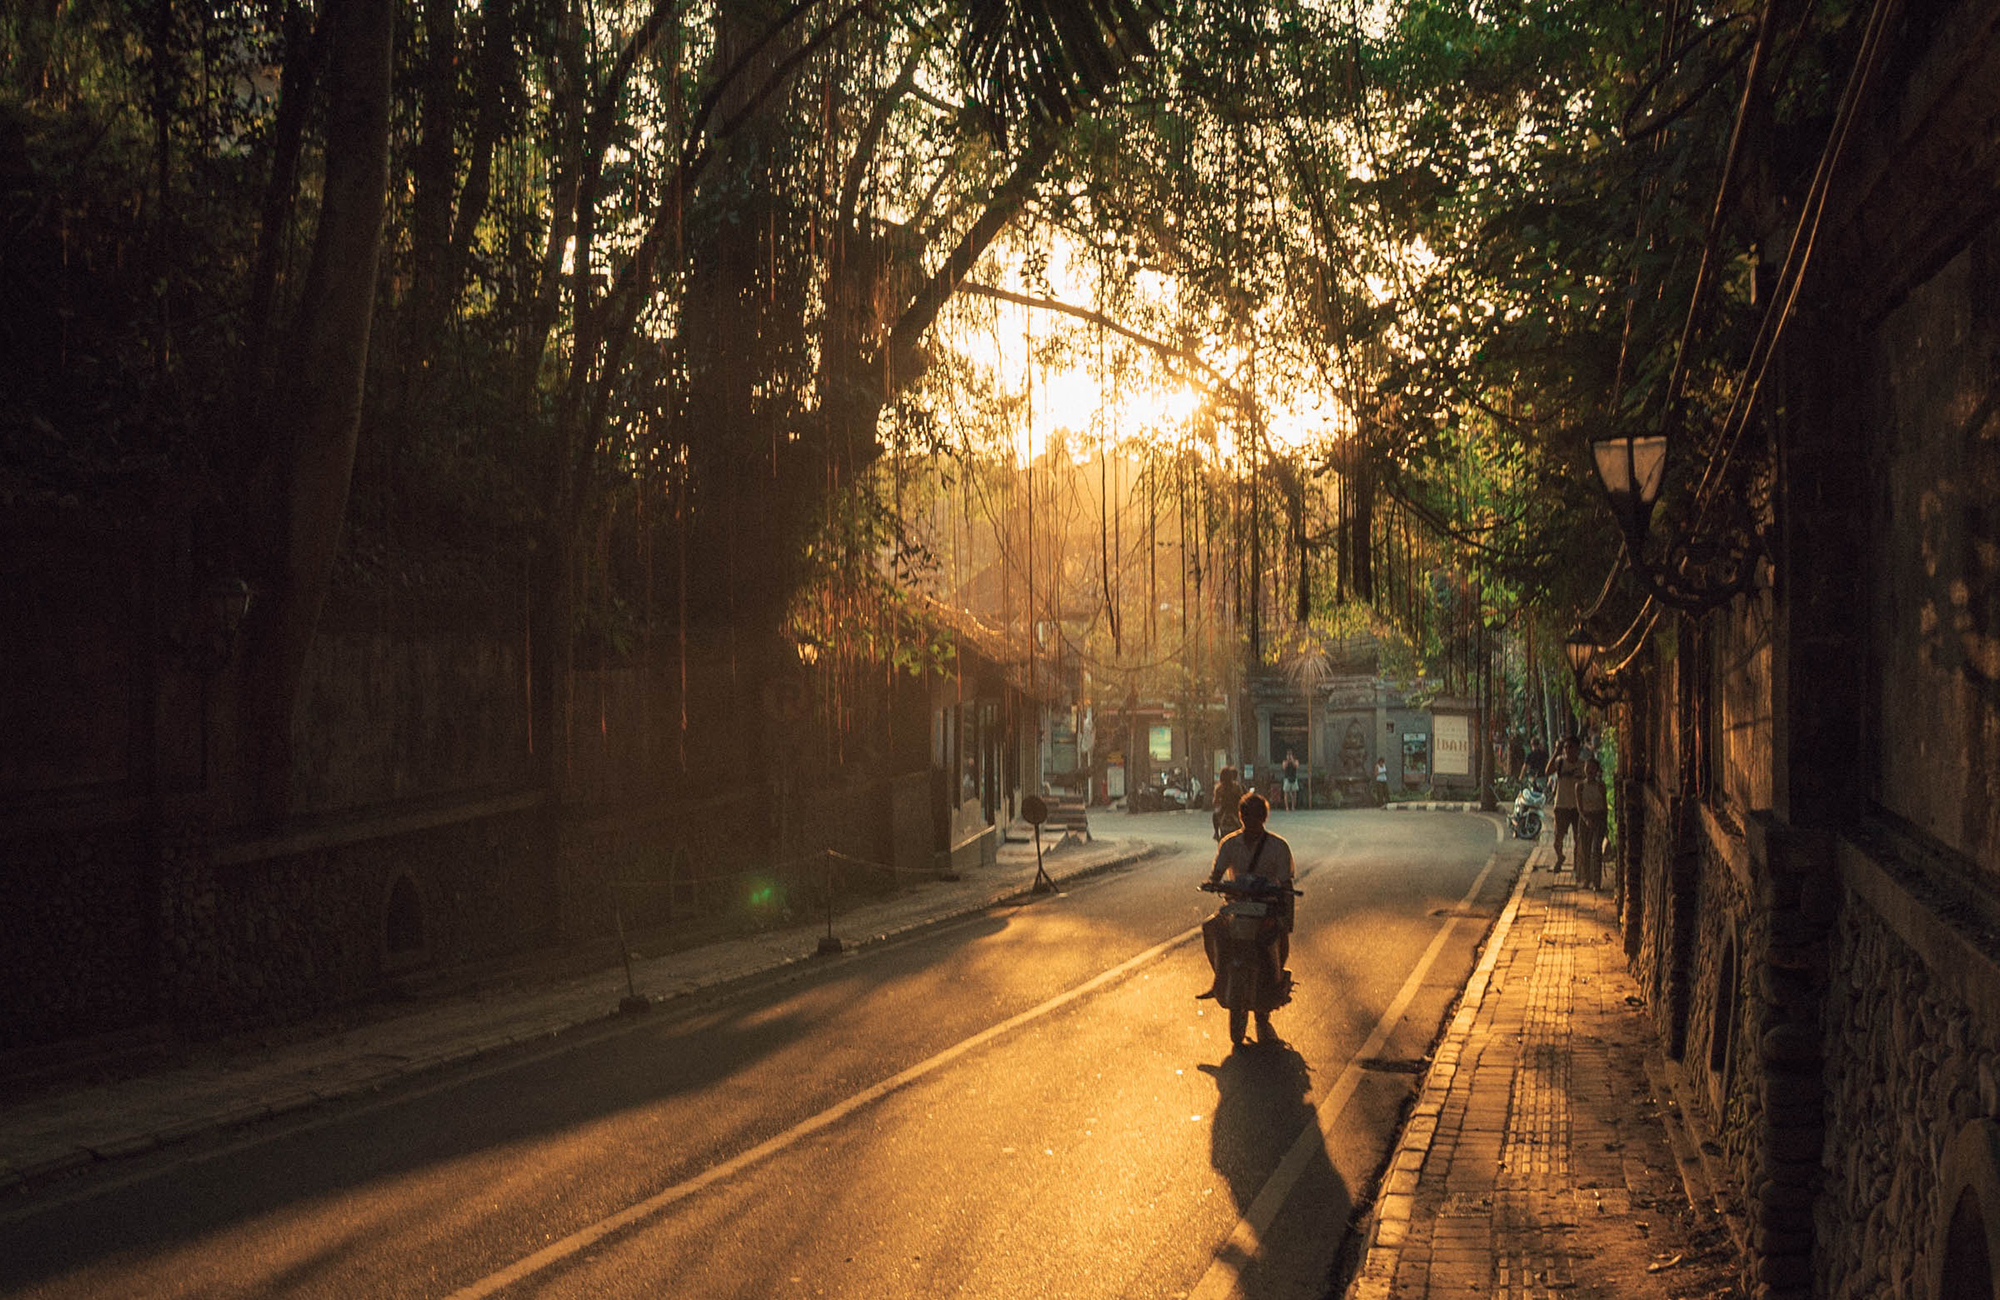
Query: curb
[[1389, 1221], [15, 1179]]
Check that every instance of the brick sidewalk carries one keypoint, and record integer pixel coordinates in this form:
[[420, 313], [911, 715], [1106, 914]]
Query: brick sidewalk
[[1536, 1162]]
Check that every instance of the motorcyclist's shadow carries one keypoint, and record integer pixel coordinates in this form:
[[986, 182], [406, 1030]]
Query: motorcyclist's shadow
[[1261, 1111]]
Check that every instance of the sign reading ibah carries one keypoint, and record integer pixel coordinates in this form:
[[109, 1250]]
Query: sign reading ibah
[[1451, 736]]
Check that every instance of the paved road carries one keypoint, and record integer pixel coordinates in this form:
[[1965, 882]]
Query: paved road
[[1029, 1103]]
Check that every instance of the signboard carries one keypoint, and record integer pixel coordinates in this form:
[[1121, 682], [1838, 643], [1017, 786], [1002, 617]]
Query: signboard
[[1160, 744], [1288, 736], [1452, 744], [1416, 757]]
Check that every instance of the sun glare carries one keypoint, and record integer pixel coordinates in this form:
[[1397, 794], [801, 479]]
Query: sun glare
[[1064, 395]]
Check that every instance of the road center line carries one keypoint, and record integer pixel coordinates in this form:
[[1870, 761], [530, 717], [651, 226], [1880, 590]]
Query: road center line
[[584, 1238], [1235, 1255]]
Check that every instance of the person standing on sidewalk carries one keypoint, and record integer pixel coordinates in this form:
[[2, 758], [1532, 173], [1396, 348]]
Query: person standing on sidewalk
[[1291, 786], [1592, 804], [1381, 783], [1566, 769]]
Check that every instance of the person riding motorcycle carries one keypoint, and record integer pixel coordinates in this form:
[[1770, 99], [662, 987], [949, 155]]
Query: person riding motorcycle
[[1251, 851], [1228, 793]]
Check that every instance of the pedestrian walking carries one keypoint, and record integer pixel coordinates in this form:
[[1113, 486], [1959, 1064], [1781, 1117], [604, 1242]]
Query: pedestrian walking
[[1566, 769], [1535, 763], [1291, 783], [1593, 803], [1228, 791]]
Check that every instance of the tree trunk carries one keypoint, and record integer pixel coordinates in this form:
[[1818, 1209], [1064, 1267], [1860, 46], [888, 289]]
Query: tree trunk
[[300, 496]]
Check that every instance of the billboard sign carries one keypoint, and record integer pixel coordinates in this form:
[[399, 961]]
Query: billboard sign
[[1451, 735]]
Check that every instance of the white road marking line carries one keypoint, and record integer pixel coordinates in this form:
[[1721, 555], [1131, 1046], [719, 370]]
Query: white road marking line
[[582, 1239], [1226, 1273]]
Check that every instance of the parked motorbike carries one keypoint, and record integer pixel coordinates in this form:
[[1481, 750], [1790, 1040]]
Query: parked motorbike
[[1248, 977], [1167, 791], [1526, 818]]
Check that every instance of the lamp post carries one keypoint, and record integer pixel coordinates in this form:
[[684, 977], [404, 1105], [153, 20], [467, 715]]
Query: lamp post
[[1697, 570]]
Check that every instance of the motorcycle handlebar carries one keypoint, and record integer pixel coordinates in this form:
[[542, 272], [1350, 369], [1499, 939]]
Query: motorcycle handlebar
[[1234, 887]]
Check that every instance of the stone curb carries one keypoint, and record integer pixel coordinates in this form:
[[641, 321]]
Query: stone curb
[[1389, 1221], [16, 1178], [1440, 805]]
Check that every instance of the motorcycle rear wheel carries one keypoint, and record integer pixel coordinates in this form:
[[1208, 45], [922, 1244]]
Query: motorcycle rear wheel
[[1531, 825]]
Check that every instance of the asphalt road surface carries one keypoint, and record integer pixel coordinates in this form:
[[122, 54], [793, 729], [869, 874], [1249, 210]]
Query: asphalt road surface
[[1030, 1103]]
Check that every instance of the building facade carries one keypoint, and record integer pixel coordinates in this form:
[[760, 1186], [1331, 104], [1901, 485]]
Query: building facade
[[1811, 859]]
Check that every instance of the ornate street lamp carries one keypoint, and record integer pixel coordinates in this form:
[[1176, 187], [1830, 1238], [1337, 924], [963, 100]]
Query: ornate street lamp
[[1631, 470], [1696, 571], [1597, 687], [1579, 649]]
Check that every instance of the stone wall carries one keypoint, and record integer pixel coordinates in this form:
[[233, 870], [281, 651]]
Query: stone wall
[[1718, 1058], [1671, 883], [274, 932], [81, 917], [1913, 1046]]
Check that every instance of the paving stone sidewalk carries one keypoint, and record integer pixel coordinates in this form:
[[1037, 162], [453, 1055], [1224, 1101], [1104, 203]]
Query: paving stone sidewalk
[[1538, 1160], [223, 1086]]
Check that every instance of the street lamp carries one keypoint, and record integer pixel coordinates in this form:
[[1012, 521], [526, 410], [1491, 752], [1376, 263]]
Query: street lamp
[[1578, 648], [1596, 686], [1631, 470], [1697, 571]]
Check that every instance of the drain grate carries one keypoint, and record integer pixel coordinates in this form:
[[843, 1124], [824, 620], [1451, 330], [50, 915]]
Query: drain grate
[[1394, 1064]]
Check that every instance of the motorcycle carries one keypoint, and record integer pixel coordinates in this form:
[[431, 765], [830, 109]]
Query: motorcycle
[[1248, 976], [1526, 818], [1163, 792]]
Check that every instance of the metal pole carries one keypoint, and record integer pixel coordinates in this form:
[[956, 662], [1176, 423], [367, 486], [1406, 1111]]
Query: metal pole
[[827, 943], [632, 1001]]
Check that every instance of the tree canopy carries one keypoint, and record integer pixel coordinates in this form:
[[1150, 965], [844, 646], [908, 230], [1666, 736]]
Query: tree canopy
[[652, 288]]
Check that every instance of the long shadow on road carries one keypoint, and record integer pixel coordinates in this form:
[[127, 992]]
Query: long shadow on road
[[1263, 1112], [603, 1120]]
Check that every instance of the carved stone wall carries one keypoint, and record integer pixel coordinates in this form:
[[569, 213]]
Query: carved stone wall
[[1913, 1049]]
